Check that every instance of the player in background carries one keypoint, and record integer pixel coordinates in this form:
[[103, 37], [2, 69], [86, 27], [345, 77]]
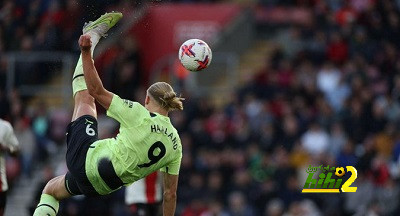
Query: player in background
[[147, 140], [144, 196], [8, 144]]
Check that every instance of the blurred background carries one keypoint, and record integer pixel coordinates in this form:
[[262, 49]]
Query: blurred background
[[292, 83]]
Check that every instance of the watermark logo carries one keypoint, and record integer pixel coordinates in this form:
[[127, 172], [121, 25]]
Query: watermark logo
[[327, 182]]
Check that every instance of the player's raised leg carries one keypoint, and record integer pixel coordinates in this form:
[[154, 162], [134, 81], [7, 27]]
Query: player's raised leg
[[55, 189], [84, 102]]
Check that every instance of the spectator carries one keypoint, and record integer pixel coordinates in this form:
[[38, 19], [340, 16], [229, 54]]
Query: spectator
[[26, 138], [315, 140], [337, 140], [238, 205], [40, 126], [215, 208], [274, 208], [328, 79]]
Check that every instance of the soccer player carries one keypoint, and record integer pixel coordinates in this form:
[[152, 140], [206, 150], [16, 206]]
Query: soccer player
[[8, 143], [145, 195], [147, 141]]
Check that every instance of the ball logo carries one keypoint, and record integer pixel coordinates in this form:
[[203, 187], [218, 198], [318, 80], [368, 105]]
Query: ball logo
[[339, 172], [187, 50], [327, 182], [203, 64]]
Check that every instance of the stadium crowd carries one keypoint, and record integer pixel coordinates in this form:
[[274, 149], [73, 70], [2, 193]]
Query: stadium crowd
[[329, 94]]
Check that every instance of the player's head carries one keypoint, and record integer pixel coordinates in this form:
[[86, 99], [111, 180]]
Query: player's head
[[163, 95]]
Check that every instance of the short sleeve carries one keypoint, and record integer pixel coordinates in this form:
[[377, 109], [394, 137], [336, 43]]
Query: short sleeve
[[173, 167], [11, 141], [126, 112]]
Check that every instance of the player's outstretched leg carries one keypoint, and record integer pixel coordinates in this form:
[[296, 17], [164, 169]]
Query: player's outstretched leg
[[55, 189], [84, 102]]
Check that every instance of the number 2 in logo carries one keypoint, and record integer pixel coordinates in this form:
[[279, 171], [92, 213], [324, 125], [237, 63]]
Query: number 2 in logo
[[346, 186], [151, 154]]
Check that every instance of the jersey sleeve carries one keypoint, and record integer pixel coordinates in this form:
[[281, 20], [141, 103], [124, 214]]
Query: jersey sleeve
[[173, 167], [10, 141], [126, 112]]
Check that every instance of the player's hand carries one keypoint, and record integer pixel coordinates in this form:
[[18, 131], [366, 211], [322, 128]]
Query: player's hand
[[84, 43]]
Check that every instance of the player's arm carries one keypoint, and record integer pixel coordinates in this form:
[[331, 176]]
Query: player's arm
[[93, 81], [170, 188]]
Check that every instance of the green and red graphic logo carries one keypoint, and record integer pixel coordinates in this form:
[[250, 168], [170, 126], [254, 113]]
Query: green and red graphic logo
[[329, 180]]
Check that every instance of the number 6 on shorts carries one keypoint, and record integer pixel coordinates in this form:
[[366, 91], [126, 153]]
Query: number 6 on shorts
[[90, 131]]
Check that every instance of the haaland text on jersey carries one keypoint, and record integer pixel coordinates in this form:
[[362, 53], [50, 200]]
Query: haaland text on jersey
[[163, 130]]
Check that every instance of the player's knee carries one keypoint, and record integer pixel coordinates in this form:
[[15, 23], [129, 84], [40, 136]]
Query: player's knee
[[51, 188]]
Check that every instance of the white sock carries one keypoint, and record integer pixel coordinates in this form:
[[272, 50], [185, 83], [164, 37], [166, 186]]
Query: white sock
[[94, 38], [78, 82]]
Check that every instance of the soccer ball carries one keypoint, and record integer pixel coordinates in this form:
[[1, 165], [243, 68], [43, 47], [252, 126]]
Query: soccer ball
[[195, 55]]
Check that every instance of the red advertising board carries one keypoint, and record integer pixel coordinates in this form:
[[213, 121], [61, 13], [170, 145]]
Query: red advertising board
[[166, 26]]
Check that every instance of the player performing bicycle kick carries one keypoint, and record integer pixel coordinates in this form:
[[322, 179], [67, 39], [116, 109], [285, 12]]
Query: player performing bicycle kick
[[147, 140]]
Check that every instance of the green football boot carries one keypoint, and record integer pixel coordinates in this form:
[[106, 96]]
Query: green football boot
[[103, 23]]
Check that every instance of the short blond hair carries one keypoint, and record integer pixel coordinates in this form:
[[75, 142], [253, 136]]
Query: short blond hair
[[165, 96]]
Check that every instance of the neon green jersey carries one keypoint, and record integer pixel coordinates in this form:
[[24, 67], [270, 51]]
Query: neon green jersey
[[146, 142]]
